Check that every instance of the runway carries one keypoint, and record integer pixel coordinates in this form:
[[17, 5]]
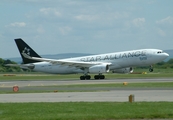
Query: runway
[[98, 94], [24, 83], [109, 96]]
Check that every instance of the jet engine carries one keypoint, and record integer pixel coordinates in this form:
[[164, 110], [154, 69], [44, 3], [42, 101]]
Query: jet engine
[[102, 68], [123, 70], [27, 66]]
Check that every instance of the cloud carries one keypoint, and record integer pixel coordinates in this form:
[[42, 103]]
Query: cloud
[[161, 32], [50, 11], [40, 30], [18, 24], [165, 26], [168, 20], [86, 17], [65, 30], [102, 16], [138, 22]]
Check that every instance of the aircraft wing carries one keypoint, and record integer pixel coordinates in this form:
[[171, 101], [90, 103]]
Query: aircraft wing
[[79, 64]]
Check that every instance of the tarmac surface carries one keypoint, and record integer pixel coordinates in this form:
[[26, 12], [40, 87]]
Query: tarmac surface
[[98, 94], [24, 83], [107, 96]]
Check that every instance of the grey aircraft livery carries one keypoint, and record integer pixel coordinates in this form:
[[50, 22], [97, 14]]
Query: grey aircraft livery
[[117, 62]]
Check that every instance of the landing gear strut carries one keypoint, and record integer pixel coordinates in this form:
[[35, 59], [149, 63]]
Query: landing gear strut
[[151, 68]]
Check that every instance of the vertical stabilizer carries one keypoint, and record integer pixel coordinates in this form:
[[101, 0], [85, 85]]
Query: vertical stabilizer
[[24, 48]]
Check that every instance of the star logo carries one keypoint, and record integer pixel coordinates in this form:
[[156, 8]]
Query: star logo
[[26, 50]]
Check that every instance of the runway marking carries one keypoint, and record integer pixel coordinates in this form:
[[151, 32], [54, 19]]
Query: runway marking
[[42, 85], [29, 85]]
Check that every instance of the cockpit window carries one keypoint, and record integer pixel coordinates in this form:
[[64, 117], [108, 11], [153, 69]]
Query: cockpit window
[[159, 52]]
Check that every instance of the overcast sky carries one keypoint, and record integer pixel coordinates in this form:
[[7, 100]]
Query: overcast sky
[[85, 26]]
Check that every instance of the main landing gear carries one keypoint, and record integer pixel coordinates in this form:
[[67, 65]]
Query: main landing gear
[[85, 77], [151, 68], [99, 77], [88, 77]]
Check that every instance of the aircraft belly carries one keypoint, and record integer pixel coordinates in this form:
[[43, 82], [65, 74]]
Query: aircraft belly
[[65, 70], [129, 62], [58, 69], [122, 63]]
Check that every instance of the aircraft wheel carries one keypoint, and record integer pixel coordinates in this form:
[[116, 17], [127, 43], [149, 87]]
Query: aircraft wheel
[[99, 77], [151, 69], [82, 77], [88, 77], [102, 77], [96, 77]]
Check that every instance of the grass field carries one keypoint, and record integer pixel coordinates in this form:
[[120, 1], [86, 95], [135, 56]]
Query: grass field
[[88, 87], [120, 85], [24, 76], [89, 110], [85, 111]]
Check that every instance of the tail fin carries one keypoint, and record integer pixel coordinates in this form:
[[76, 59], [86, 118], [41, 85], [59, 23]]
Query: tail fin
[[24, 48]]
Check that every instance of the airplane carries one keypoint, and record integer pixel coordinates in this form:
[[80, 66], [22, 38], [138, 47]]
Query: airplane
[[118, 62]]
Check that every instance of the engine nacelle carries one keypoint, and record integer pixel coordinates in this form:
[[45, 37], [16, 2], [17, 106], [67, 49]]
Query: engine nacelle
[[123, 70], [27, 66], [103, 68]]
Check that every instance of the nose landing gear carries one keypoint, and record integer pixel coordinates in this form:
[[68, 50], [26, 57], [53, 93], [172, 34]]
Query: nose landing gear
[[151, 68]]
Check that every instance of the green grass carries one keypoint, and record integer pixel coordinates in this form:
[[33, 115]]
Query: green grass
[[88, 87], [152, 84], [158, 73], [38, 77], [76, 76], [89, 110], [85, 111]]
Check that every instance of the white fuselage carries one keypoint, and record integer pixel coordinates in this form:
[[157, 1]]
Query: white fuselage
[[118, 60]]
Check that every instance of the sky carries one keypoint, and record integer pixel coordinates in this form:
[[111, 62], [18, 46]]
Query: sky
[[85, 26]]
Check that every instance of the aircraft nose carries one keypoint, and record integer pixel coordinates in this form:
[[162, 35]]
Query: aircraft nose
[[166, 55]]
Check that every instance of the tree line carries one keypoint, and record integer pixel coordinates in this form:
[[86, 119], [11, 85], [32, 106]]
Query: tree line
[[3, 68], [163, 64]]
